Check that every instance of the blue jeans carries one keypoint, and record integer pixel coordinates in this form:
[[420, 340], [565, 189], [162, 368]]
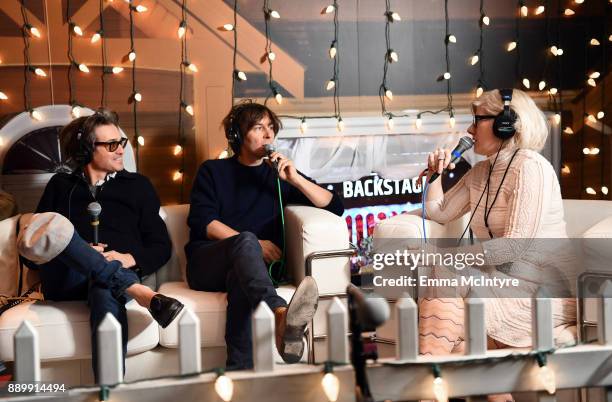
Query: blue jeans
[[235, 265], [81, 273]]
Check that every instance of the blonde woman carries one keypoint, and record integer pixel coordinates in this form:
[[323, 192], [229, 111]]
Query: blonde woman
[[515, 204]]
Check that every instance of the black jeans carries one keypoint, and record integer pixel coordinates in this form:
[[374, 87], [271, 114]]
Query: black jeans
[[81, 273], [235, 265]]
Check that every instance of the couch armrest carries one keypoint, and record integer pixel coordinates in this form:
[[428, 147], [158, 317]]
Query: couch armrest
[[410, 226], [312, 230]]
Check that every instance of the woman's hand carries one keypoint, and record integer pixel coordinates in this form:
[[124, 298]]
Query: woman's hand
[[439, 160]]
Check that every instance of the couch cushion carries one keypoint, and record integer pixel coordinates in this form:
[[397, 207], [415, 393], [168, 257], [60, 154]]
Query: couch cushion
[[209, 307], [63, 329]]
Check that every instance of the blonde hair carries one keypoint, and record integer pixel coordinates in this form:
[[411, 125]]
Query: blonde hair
[[531, 125]]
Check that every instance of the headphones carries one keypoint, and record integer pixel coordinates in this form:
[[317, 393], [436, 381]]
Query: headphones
[[234, 136], [503, 125], [85, 150]]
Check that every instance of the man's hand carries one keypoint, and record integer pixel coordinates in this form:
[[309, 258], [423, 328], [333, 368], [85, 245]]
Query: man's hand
[[99, 248], [286, 169], [126, 260], [270, 251]]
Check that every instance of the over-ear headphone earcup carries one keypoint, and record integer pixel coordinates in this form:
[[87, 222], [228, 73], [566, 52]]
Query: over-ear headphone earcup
[[503, 125], [84, 154]]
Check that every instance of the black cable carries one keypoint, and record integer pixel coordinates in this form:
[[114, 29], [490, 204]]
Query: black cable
[[104, 55], [584, 113], [134, 101], [384, 86], [26, 55], [268, 50], [517, 40], [449, 93], [182, 102], [336, 64], [235, 70], [480, 51], [71, 59], [547, 45], [604, 74]]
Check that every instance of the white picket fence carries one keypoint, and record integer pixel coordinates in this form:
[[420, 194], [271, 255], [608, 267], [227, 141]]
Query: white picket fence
[[408, 376]]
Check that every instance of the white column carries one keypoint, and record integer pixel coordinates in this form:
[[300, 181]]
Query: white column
[[190, 352], [407, 347], [110, 354], [541, 321], [263, 338], [475, 329], [337, 332], [27, 354]]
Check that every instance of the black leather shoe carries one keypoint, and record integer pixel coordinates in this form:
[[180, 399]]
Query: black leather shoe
[[164, 309]]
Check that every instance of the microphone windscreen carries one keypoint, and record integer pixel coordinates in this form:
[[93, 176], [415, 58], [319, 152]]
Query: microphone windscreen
[[94, 209], [269, 148], [372, 309]]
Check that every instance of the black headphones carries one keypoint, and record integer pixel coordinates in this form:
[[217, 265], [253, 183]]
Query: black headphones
[[234, 135], [85, 150], [503, 126]]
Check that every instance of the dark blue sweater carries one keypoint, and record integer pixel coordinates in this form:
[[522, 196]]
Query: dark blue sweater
[[244, 198]]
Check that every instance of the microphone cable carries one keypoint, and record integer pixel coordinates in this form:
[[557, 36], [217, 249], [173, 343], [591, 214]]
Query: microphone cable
[[281, 262]]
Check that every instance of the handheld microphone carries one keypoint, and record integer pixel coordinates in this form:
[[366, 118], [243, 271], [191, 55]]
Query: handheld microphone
[[94, 209], [269, 149], [372, 310], [465, 143]]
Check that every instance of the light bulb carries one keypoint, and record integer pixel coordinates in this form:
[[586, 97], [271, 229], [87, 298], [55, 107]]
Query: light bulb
[[132, 56], [279, 98], [77, 30], [591, 118], [474, 59], [452, 122], [274, 14], [569, 12], [594, 75], [330, 84], [393, 57], [589, 190], [451, 38], [177, 150], [303, 126], [586, 151], [542, 85], [526, 83], [578, 1], [591, 82], [511, 46], [539, 10], [390, 123], [447, 75], [395, 17], [553, 50], [479, 91], [557, 118], [76, 112], [389, 94], [138, 97], [40, 72], [224, 386], [117, 70], [193, 68], [594, 151], [440, 390], [182, 29], [332, 51], [594, 42], [331, 386], [271, 56], [566, 170], [340, 124], [3, 96], [552, 91], [524, 11], [600, 115], [559, 51], [34, 31], [177, 175], [36, 115], [418, 123], [140, 8], [96, 37], [604, 190], [189, 110], [223, 155], [241, 75], [328, 9], [83, 68], [568, 130], [141, 140], [610, 38], [486, 20], [228, 27]]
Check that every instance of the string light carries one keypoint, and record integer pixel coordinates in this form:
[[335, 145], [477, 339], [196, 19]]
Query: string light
[[590, 151], [303, 125], [511, 46], [451, 121], [439, 387], [591, 82], [578, 1], [594, 42], [329, 9], [36, 115], [224, 386], [340, 124], [553, 91], [542, 85], [474, 59], [27, 32], [388, 94], [330, 84], [600, 115], [604, 190], [557, 118], [269, 53], [569, 12], [137, 97], [83, 68], [539, 10], [3, 96], [479, 92], [117, 70], [566, 169], [418, 123], [591, 191], [594, 75], [332, 50], [132, 55], [105, 69], [227, 27], [479, 54], [392, 55], [568, 130], [32, 30], [177, 150], [77, 29], [390, 123], [526, 83], [96, 37], [524, 11], [40, 72], [177, 175], [451, 39], [330, 383], [182, 29], [192, 67], [141, 140]]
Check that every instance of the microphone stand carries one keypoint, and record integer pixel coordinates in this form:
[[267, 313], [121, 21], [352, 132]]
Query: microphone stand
[[358, 355]]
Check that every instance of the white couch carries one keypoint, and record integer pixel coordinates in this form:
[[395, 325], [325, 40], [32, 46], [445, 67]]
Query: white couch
[[63, 327], [584, 218]]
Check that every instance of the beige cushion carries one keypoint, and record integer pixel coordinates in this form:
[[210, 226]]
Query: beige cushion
[[9, 261], [580, 215], [209, 307], [63, 329]]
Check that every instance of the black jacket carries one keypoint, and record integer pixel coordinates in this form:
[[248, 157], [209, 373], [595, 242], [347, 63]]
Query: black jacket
[[129, 222]]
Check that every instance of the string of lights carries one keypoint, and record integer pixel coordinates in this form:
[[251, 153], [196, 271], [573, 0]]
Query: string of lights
[[136, 96], [586, 151], [547, 46], [28, 31], [269, 54], [601, 113], [237, 75], [390, 56], [99, 36], [478, 56], [73, 29]]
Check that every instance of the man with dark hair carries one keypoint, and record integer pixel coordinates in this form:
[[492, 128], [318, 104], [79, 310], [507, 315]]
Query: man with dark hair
[[133, 237], [236, 230]]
